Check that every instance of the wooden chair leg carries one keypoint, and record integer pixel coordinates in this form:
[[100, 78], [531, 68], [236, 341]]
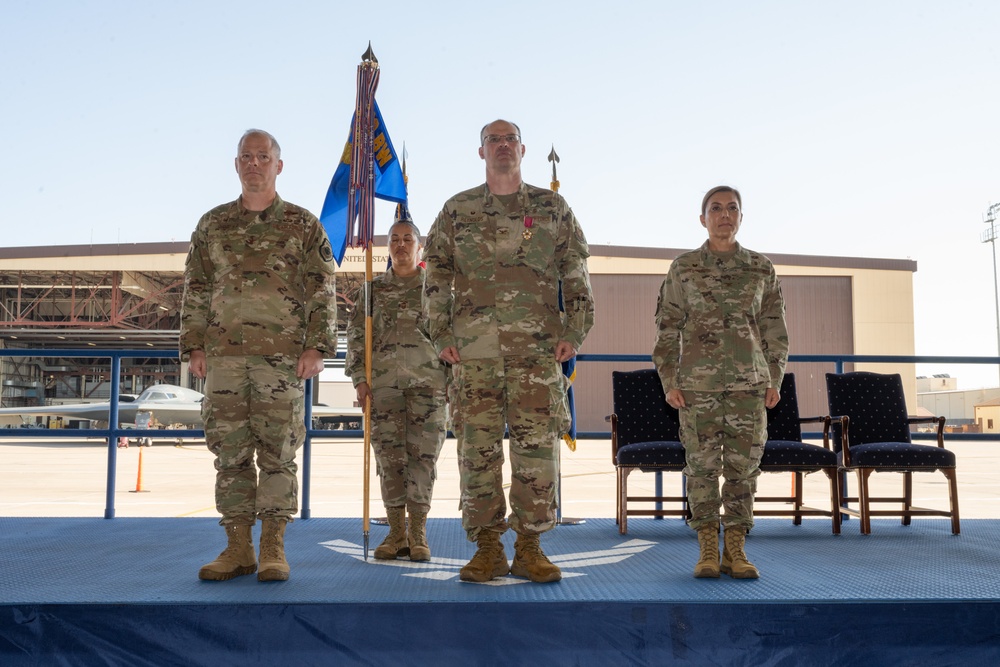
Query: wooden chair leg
[[844, 491], [863, 501], [618, 495], [834, 499], [907, 497], [797, 496], [953, 493], [623, 501]]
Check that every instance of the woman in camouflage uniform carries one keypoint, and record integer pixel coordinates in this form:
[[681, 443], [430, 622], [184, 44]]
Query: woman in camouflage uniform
[[721, 348], [407, 393]]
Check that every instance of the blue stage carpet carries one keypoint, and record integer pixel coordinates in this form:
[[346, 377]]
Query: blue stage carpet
[[125, 591]]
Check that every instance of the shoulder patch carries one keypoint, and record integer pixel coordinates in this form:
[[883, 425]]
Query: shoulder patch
[[325, 251]]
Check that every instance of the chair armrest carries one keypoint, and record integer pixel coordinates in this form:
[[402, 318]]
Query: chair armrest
[[826, 428], [930, 420], [922, 420], [845, 448], [614, 438], [811, 420]]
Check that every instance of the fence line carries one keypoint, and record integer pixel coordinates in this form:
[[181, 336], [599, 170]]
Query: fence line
[[114, 431]]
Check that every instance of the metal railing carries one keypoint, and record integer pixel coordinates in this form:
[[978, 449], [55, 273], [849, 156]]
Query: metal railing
[[838, 361], [113, 432]]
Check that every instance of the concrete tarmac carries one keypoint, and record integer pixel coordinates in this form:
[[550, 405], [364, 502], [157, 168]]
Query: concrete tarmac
[[67, 478]]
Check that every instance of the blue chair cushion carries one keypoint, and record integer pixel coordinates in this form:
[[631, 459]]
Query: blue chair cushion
[[780, 455], [659, 454], [901, 456]]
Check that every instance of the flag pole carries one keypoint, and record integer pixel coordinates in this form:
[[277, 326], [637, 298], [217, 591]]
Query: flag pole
[[361, 207], [554, 158], [570, 441], [568, 368], [370, 62], [366, 511], [349, 214]]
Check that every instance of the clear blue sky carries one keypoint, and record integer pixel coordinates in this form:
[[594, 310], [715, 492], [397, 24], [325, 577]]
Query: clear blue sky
[[852, 128]]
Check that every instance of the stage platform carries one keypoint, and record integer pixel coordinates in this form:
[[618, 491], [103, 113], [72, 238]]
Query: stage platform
[[89, 591]]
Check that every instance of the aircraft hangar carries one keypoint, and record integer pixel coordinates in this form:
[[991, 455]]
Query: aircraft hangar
[[127, 296]]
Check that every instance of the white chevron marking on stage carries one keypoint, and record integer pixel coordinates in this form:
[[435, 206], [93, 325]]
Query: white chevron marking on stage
[[445, 569]]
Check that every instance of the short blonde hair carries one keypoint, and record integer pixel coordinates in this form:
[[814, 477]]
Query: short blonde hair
[[254, 131]]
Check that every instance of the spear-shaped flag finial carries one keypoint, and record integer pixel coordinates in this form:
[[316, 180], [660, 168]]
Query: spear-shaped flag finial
[[369, 55], [554, 158]]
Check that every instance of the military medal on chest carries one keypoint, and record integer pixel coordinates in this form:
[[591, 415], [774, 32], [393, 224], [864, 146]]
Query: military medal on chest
[[528, 222]]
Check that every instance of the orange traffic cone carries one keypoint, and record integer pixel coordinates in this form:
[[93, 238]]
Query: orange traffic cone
[[138, 477]]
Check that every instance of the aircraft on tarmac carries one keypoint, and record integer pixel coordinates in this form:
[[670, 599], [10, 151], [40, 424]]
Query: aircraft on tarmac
[[166, 403]]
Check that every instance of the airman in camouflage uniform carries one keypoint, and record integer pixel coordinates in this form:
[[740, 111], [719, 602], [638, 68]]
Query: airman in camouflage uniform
[[258, 315], [407, 392], [721, 350], [495, 258]]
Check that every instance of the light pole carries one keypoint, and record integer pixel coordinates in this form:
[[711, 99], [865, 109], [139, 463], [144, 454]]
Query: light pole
[[990, 236]]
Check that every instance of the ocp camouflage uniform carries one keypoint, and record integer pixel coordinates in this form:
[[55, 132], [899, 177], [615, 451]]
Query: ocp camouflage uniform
[[721, 340], [258, 291], [408, 388], [494, 264]]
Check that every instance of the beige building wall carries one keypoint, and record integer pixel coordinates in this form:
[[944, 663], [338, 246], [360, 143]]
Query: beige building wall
[[957, 404], [936, 384], [883, 315], [988, 418], [883, 321], [165, 263]]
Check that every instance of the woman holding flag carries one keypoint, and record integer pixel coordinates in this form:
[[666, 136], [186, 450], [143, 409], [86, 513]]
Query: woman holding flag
[[407, 391]]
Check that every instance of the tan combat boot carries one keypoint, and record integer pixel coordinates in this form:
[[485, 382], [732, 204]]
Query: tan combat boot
[[490, 560], [734, 561], [530, 562], [708, 556], [273, 566], [419, 550], [395, 544], [236, 559]]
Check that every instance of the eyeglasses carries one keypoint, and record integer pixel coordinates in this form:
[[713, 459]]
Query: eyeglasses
[[263, 158], [497, 138]]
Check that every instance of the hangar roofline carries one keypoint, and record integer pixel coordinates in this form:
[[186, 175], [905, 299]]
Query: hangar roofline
[[95, 250], [596, 250], [884, 264]]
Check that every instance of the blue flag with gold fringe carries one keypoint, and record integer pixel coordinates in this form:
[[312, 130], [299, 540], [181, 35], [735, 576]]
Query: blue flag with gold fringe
[[389, 185], [569, 370]]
